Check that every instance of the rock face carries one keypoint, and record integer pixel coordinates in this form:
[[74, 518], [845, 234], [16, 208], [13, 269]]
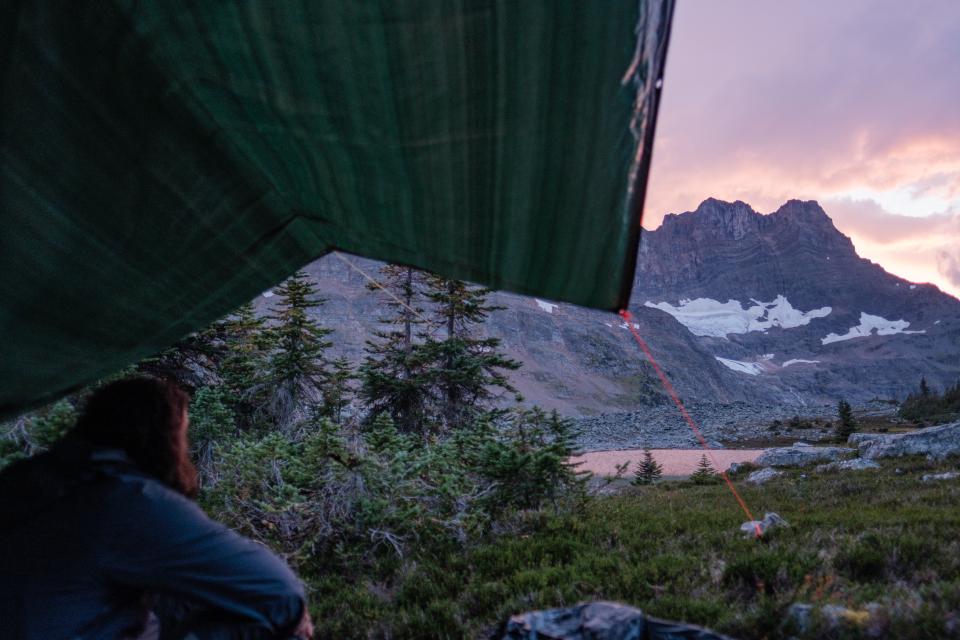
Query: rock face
[[937, 442], [600, 621], [800, 455], [789, 285], [763, 475], [736, 306], [856, 464]]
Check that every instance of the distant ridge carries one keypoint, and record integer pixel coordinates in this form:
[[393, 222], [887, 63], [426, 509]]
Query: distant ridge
[[738, 306]]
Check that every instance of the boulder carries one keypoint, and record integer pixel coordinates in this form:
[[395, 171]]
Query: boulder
[[770, 520], [798, 456], [857, 438], [933, 477], [600, 621], [762, 475], [799, 614], [936, 442], [856, 464]]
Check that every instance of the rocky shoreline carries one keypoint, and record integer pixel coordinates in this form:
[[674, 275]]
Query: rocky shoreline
[[662, 426]]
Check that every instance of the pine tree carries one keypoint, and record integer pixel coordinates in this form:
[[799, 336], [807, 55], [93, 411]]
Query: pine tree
[[924, 387], [465, 370], [212, 425], [191, 361], [297, 369], [847, 424], [393, 374], [705, 473], [247, 345], [337, 388], [649, 471]]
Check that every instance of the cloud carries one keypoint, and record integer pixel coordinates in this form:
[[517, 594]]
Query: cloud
[[808, 99], [849, 103], [868, 220], [948, 264]]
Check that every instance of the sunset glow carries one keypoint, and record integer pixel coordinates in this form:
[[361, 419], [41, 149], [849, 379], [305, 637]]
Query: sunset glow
[[852, 104]]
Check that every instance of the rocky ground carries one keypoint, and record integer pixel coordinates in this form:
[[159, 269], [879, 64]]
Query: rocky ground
[[736, 424]]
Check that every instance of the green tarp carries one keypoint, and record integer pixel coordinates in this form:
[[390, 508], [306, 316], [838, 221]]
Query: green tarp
[[163, 162]]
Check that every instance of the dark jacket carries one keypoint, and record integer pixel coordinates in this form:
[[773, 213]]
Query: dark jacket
[[84, 535]]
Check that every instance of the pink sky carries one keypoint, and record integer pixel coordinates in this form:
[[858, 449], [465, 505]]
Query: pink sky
[[855, 104]]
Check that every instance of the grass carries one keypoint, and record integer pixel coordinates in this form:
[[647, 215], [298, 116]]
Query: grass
[[675, 551]]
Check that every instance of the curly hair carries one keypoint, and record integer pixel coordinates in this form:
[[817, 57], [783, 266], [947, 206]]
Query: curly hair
[[146, 418]]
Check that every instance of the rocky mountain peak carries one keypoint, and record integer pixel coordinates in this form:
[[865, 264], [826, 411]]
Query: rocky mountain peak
[[716, 218], [805, 212]]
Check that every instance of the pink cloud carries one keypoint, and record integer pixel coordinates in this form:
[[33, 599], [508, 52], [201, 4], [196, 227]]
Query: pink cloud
[[850, 103]]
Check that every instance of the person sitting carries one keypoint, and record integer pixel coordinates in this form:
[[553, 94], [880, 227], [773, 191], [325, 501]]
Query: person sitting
[[101, 533]]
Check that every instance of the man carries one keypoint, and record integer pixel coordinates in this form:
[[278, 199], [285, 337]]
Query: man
[[99, 532]]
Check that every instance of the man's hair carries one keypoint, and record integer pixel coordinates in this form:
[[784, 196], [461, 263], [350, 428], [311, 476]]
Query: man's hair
[[144, 417]]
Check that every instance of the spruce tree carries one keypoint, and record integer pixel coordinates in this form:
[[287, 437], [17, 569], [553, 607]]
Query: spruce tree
[[465, 370], [212, 425], [847, 423], [705, 473], [337, 389], [393, 375], [297, 370], [191, 361], [243, 370], [649, 471]]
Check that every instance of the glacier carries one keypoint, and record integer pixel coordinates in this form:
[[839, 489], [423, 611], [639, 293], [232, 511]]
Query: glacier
[[708, 317], [869, 324], [750, 368]]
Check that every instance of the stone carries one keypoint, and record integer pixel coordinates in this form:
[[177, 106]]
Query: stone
[[836, 615], [770, 521], [855, 464], [933, 477], [936, 442], [857, 438], [800, 456], [599, 621], [799, 615], [762, 475]]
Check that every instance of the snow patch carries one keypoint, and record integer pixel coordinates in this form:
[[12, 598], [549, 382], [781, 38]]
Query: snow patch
[[767, 356], [707, 317], [869, 324], [750, 368], [546, 306], [913, 286], [937, 322], [268, 293], [798, 361]]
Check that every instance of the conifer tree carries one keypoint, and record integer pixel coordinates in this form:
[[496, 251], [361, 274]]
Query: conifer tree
[[847, 424], [393, 375], [191, 361], [337, 388], [247, 346], [705, 473], [465, 370], [924, 387], [649, 471], [297, 370]]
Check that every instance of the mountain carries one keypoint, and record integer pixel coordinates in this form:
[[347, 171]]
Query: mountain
[[735, 305]]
